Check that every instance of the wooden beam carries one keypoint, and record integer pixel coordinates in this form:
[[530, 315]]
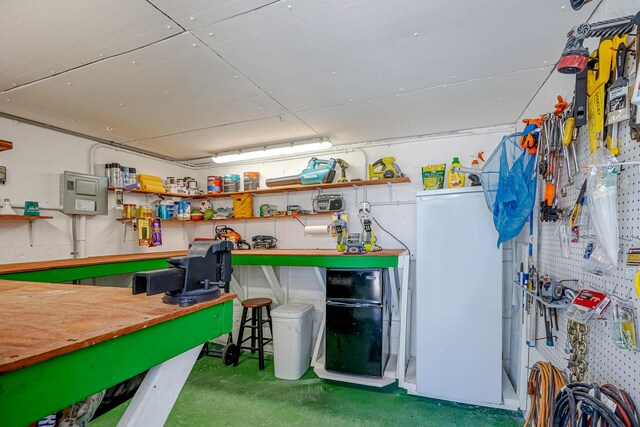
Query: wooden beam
[[5, 145]]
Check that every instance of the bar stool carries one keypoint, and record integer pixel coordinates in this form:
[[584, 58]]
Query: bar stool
[[255, 324]]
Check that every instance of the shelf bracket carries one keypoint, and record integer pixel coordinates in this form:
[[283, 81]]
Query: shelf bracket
[[390, 188], [32, 233]]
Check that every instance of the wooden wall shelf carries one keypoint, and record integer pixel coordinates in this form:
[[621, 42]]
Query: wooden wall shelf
[[31, 219], [283, 189], [25, 217], [253, 218], [5, 145]]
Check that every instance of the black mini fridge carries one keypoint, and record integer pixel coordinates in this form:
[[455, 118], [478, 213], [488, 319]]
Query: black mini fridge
[[358, 324]]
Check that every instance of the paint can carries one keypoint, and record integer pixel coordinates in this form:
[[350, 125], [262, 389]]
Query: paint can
[[214, 184], [251, 181], [128, 210], [183, 210], [165, 209], [231, 183]]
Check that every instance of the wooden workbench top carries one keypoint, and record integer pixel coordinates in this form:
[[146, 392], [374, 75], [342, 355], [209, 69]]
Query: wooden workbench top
[[22, 267], [313, 252], [109, 259], [42, 320]]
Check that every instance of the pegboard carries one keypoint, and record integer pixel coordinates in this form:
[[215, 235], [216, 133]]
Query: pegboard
[[606, 363]]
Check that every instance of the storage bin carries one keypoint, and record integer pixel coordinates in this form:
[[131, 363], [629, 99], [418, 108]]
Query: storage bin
[[292, 328]]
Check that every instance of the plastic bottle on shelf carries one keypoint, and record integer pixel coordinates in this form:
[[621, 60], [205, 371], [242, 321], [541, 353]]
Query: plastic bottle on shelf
[[107, 173], [475, 164], [456, 179]]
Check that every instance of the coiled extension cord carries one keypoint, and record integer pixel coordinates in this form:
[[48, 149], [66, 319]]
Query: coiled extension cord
[[580, 404]]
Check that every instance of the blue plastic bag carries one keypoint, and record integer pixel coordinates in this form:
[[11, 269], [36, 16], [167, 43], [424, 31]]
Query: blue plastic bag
[[516, 192]]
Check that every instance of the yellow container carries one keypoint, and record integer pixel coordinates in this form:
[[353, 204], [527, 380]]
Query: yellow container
[[243, 206], [128, 211], [456, 179], [145, 211]]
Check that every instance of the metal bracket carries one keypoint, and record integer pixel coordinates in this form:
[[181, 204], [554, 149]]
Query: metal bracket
[[32, 232]]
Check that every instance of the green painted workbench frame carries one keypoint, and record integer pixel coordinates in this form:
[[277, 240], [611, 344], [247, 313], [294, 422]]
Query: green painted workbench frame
[[25, 397], [58, 275], [31, 393]]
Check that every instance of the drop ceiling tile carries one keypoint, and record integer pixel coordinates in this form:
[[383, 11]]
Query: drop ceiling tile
[[199, 13], [485, 102], [47, 37], [205, 142], [169, 87], [314, 54]]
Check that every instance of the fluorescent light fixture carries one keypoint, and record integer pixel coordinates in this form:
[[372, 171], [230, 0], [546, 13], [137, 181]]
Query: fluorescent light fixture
[[306, 146]]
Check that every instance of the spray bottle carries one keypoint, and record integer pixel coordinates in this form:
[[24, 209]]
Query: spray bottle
[[475, 164]]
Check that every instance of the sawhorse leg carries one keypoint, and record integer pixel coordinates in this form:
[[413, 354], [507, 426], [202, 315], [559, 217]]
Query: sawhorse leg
[[152, 403]]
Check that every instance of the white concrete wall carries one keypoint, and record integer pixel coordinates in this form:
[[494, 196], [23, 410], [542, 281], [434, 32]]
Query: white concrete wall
[[40, 156], [34, 166], [397, 215]]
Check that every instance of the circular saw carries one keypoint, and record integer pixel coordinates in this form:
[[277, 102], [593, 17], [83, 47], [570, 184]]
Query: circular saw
[[386, 168]]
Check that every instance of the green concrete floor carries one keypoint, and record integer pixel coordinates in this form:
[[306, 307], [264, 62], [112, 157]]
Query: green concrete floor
[[244, 396]]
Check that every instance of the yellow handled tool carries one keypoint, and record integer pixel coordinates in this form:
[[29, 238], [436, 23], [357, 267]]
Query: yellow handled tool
[[596, 80], [567, 136]]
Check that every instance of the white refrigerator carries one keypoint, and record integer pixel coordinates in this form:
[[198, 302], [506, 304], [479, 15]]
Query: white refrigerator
[[458, 298]]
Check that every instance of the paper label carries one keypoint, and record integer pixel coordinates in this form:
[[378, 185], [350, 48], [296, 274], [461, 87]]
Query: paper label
[[606, 400], [85, 205]]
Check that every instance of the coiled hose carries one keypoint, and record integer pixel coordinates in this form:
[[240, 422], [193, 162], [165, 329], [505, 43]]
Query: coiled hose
[[545, 382], [580, 404]]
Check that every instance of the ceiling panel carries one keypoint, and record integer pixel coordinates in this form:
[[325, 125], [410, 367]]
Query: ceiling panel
[[41, 38], [205, 142], [313, 54], [467, 105], [199, 13], [169, 87]]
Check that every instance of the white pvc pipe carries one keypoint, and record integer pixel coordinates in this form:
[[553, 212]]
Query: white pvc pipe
[[82, 236]]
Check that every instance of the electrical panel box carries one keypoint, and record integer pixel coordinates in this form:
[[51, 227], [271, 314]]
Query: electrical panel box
[[83, 194]]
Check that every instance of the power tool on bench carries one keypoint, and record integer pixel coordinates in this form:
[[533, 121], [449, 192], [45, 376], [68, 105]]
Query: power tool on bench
[[262, 241], [356, 243], [385, 167], [222, 232], [318, 171]]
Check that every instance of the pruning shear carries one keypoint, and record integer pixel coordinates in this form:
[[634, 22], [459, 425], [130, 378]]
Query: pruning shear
[[529, 138]]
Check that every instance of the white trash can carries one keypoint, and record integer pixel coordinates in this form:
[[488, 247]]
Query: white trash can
[[292, 328]]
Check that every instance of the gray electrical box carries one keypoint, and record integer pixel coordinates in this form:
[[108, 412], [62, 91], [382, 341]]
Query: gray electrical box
[[83, 194]]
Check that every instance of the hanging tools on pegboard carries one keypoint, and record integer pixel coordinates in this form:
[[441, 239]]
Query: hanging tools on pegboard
[[555, 152]]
